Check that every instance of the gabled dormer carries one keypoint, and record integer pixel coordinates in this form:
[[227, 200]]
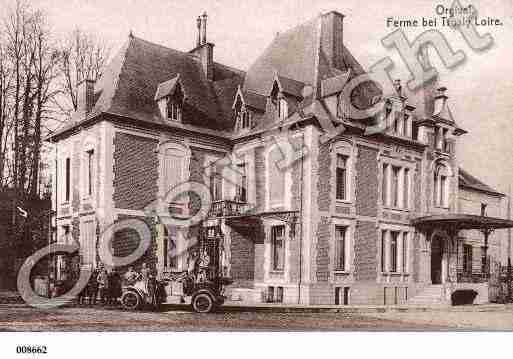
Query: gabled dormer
[[399, 114], [285, 95], [170, 99], [247, 106]]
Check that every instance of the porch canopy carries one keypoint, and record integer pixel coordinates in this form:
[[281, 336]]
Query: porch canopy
[[251, 220], [456, 221]]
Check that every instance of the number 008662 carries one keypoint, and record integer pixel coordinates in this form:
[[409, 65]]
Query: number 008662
[[31, 349]]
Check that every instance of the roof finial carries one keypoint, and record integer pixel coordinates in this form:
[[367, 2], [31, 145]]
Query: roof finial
[[131, 34]]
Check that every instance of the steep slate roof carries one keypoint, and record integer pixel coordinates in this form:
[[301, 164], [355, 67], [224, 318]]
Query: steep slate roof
[[308, 54], [291, 54], [468, 181], [130, 81]]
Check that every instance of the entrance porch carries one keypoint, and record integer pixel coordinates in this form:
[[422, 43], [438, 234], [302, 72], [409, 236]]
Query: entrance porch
[[450, 262]]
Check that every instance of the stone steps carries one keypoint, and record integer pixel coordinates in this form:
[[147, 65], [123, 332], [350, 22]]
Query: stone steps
[[430, 295]]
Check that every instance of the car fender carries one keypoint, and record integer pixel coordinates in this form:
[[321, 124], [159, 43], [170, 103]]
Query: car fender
[[216, 297]]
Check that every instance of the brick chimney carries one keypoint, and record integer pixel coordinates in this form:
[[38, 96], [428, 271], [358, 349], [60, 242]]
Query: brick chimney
[[332, 43], [204, 50], [85, 96]]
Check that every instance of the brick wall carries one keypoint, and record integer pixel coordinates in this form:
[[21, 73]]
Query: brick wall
[[367, 182], [365, 248], [242, 255], [322, 249], [125, 241], [324, 178], [135, 171], [259, 262]]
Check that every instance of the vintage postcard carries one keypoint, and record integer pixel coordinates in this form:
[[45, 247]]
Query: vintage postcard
[[287, 165]]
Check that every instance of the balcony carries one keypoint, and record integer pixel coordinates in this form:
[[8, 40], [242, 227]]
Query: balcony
[[228, 208]]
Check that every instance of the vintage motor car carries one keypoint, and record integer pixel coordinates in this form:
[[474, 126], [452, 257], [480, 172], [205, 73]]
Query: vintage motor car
[[177, 288]]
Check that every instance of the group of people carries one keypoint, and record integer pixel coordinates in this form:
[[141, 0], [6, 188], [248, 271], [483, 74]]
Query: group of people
[[104, 286]]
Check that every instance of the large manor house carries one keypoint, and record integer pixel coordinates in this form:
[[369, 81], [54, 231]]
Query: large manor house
[[386, 218]]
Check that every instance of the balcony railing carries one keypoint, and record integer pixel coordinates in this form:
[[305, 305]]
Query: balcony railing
[[479, 277], [228, 208]]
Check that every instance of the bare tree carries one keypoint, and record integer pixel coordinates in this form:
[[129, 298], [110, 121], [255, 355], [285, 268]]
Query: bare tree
[[28, 63], [83, 56]]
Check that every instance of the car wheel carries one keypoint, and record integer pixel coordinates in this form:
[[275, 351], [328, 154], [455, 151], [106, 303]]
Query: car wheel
[[203, 303], [131, 300]]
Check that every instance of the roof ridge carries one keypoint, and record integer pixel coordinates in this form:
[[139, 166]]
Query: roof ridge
[[163, 46]]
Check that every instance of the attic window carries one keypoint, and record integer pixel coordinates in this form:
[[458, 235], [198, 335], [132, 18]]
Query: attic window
[[283, 108], [174, 110], [244, 118]]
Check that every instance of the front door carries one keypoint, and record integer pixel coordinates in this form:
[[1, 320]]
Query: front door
[[436, 261]]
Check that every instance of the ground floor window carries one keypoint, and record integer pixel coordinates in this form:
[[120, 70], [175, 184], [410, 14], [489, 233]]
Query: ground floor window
[[274, 294], [341, 295], [278, 247], [395, 251], [340, 248]]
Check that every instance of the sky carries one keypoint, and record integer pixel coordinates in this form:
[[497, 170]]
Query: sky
[[480, 90]]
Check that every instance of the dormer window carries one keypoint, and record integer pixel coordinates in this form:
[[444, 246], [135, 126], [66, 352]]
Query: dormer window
[[283, 108], [243, 118], [170, 98], [174, 110], [246, 119]]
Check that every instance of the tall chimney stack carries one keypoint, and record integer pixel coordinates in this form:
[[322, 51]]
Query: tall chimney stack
[[204, 50], [204, 28], [198, 25]]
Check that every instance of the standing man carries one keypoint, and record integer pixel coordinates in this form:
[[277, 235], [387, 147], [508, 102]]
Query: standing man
[[92, 287], [146, 276], [103, 285]]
